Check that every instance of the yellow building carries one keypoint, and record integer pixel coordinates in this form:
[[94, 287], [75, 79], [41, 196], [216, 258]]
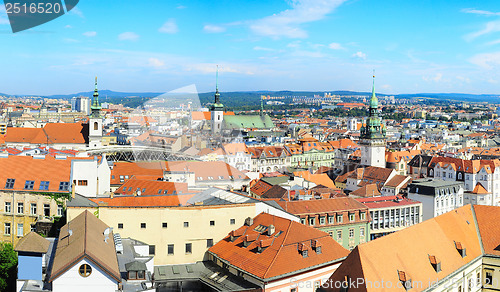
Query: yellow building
[[180, 234]]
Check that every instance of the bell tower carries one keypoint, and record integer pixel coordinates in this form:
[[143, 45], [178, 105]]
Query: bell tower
[[217, 109], [95, 121]]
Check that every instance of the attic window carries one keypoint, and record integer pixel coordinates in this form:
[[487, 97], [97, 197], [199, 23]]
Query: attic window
[[10, 183], [405, 280], [159, 191], [44, 185], [29, 184], [165, 192], [64, 185], [436, 264], [461, 249]]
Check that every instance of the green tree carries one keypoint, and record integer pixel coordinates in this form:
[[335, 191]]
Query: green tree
[[8, 264]]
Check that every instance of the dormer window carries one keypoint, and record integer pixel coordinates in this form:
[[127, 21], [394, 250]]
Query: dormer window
[[436, 264], [461, 249], [405, 280]]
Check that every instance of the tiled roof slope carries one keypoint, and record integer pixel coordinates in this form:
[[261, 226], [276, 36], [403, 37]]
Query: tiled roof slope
[[86, 241], [408, 250], [32, 242], [144, 201], [151, 187], [51, 133], [487, 219], [23, 168], [281, 254]]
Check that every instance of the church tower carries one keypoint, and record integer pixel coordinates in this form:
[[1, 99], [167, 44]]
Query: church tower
[[95, 121], [217, 109], [373, 134]]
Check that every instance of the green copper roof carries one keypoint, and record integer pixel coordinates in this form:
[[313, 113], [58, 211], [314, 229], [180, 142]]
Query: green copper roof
[[96, 106]]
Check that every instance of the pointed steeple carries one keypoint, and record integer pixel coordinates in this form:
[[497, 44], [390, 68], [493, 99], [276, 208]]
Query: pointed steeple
[[96, 106], [373, 100], [217, 94]]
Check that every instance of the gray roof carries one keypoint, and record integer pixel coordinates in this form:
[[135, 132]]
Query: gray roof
[[216, 196], [135, 266], [206, 272], [80, 201]]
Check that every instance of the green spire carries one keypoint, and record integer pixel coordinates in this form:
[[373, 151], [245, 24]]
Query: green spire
[[373, 100], [96, 106], [217, 94]]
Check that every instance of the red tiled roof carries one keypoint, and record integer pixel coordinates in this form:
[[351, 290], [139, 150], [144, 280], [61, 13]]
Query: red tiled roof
[[51, 133], [282, 255], [151, 187]]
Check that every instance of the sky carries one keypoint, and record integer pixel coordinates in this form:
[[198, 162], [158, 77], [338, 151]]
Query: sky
[[420, 46]]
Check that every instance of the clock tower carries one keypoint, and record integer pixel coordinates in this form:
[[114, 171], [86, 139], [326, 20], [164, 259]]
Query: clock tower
[[372, 136]]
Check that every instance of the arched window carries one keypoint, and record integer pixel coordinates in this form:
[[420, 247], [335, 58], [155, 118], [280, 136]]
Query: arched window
[[96, 126], [459, 176], [431, 172]]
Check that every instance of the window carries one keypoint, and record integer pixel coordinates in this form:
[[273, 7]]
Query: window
[[362, 215], [210, 243], [311, 221], [10, 183], [339, 218], [170, 249], [164, 225], [189, 248], [20, 208], [186, 224], [44, 185], [143, 225], [6, 229], [351, 233], [64, 186], [152, 250], [303, 221], [362, 231], [339, 234], [33, 209], [322, 220], [351, 216], [7, 207], [159, 191], [83, 182], [232, 221], [488, 279], [212, 223], [20, 229], [29, 184], [85, 270], [120, 225], [60, 210], [330, 220], [46, 210]]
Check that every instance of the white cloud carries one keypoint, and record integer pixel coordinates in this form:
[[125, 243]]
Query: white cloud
[[486, 60], [209, 68], [359, 55], [491, 26], [128, 36], [90, 34], [154, 62], [288, 23], [169, 27], [181, 6], [294, 44], [436, 78], [257, 48], [68, 26], [77, 12], [210, 28], [463, 79], [481, 12], [336, 46]]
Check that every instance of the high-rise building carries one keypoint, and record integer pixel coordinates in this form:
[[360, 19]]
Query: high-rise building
[[372, 138], [81, 104]]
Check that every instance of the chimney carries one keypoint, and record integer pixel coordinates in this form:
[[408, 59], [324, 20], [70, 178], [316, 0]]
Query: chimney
[[249, 221], [112, 195], [73, 190], [270, 230]]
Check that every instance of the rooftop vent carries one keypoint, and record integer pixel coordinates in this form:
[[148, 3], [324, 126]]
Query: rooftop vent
[[249, 239], [270, 230], [316, 245], [249, 221]]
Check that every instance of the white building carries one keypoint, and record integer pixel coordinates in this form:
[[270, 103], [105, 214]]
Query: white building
[[437, 196], [91, 178]]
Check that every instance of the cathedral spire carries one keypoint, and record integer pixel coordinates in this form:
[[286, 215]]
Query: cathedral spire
[[96, 106], [217, 94], [373, 100]]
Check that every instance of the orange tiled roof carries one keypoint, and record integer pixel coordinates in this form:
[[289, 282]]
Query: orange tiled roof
[[282, 254], [51, 133], [151, 187], [144, 201], [319, 179]]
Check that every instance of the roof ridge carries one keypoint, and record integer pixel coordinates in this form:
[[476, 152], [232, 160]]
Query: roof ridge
[[279, 249], [477, 228]]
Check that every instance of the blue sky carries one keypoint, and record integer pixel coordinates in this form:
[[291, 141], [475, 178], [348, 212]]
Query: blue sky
[[414, 46]]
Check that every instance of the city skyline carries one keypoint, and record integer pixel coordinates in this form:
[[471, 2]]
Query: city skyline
[[296, 45]]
